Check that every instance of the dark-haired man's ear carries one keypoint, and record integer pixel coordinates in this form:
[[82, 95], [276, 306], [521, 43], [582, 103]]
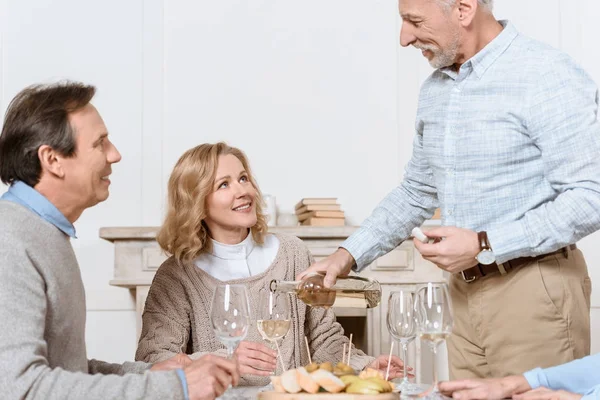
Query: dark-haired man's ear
[[50, 161]]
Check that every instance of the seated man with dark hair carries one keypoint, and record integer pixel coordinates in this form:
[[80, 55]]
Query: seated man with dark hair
[[579, 379], [56, 156]]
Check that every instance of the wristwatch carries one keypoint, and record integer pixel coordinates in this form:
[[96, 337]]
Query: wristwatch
[[486, 256]]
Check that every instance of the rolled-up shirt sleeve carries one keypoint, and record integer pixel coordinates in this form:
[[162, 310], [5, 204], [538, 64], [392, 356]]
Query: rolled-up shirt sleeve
[[580, 376]]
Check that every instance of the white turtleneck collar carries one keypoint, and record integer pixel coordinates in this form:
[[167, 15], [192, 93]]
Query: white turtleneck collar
[[238, 251], [238, 261]]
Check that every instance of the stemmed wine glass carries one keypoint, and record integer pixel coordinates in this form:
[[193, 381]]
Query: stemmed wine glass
[[273, 321], [434, 313], [402, 324], [230, 317]]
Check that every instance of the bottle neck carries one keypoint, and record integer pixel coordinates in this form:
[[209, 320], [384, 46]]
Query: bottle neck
[[283, 286]]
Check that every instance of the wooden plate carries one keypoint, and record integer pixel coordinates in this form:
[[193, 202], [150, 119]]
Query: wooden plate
[[326, 396]]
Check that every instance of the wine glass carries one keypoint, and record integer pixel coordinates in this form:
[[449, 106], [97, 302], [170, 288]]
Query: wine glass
[[434, 313], [402, 324], [273, 321], [230, 318], [230, 315]]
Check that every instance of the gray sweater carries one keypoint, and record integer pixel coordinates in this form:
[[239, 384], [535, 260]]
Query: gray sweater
[[42, 311]]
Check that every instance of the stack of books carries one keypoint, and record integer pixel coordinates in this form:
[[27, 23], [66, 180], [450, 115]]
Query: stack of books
[[321, 211]]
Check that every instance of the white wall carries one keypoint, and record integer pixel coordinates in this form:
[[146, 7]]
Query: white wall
[[318, 94]]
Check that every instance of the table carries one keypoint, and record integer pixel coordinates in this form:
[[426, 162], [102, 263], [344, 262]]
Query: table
[[251, 392], [245, 392]]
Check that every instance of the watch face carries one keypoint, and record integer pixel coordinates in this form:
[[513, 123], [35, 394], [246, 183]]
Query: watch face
[[486, 257]]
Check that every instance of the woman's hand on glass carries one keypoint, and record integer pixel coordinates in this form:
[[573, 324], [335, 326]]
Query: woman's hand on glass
[[396, 366], [255, 358]]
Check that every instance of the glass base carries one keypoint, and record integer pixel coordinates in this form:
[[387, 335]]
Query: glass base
[[431, 394], [412, 389], [409, 390], [434, 396], [229, 395]]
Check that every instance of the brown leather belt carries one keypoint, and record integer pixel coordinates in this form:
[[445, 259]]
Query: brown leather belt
[[480, 270]]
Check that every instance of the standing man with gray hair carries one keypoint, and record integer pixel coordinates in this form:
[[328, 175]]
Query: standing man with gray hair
[[507, 143], [56, 155]]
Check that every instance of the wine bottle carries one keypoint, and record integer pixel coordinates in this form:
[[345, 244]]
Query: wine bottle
[[349, 291]]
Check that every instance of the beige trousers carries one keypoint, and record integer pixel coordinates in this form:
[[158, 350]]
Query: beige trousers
[[535, 316]]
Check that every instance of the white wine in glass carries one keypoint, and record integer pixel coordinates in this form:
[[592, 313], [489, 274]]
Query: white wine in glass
[[273, 321], [434, 312], [272, 330], [434, 338]]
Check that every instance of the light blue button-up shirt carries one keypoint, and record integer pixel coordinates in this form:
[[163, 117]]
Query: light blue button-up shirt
[[509, 144], [27, 196], [580, 376]]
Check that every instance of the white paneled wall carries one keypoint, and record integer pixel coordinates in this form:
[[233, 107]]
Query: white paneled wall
[[319, 95], [302, 92]]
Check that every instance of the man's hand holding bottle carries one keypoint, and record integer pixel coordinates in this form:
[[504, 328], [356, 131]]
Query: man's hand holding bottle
[[338, 264]]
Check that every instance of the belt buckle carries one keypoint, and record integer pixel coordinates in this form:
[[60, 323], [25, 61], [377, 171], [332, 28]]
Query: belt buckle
[[467, 280]]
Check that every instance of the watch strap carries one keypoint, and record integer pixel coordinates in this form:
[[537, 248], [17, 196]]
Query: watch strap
[[484, 243]]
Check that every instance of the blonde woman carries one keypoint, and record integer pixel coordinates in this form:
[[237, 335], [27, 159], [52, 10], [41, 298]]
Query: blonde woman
[[216, 232]]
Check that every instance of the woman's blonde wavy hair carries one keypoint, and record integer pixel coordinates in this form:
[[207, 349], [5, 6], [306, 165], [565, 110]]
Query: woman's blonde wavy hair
[[184, 233]]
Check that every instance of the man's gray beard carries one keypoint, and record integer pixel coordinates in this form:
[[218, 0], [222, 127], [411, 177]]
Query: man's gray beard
[[442, 59]]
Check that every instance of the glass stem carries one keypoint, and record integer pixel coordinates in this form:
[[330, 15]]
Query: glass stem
[[230, 350], [404, 352], [435, 371]]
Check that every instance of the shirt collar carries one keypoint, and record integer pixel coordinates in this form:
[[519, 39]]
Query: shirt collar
[[238, 251], [484, 59], [21, 193]]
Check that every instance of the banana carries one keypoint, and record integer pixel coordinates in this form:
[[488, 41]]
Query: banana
[[348, 379], [343, 369], [363, 386], [327, 366], [369, 373], [385, 385], [312, 367]]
